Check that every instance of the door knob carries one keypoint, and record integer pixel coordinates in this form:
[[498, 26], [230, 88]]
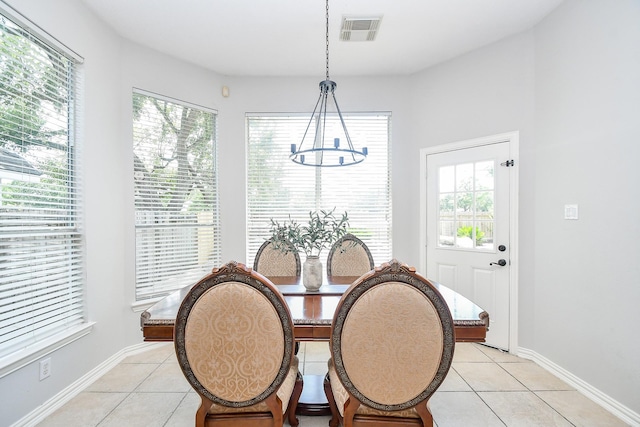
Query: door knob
[[501, 263]]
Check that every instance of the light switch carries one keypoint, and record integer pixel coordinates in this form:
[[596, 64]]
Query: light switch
[[570, 211]]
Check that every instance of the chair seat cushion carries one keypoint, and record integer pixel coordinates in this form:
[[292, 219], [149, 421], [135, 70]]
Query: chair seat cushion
[[341, 395], [284, 393]]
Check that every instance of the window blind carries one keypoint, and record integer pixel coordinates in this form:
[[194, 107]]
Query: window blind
[[41, 241], [176, 201], [278, 188]]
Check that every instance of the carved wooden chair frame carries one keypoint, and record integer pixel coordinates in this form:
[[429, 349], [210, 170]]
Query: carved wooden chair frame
[[237, 272], [394, 271]]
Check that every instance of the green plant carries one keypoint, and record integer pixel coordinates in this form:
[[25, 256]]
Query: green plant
[[322, 231], [467, 231]]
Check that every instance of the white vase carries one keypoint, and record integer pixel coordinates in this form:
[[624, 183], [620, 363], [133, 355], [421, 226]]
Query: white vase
[[312, 273]]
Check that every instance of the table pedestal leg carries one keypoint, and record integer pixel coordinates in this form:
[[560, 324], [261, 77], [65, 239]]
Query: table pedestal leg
[[313, 400]]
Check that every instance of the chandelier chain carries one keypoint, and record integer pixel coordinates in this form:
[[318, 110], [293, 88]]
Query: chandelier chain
[[327, 37], [318, 152]]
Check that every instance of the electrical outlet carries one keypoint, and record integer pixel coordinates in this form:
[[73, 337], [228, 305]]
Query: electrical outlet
[[45, 368]]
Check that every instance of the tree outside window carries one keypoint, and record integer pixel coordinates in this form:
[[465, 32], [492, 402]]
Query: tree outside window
[[41, 253], [175, 190]]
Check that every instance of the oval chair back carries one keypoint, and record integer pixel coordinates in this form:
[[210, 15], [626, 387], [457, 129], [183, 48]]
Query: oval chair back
[[349, 256], [234, 342], [392, 344], [270, 261]]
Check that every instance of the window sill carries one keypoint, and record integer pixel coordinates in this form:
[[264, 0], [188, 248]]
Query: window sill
[[21, 358], [140, 306]]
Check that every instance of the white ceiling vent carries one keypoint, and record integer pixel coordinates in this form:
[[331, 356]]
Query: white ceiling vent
[[359, 29]]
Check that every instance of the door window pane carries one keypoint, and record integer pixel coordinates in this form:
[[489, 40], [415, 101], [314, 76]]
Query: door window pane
[[464, 205], [446, 206], [484, 175], [464, 177], [447, 179], [466, 209], [484, 237], [446, 233]]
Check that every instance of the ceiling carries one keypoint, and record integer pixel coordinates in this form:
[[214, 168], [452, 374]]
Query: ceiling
[[287, 37]]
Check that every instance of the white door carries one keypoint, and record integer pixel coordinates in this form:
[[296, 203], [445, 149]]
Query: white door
[[468, 229]]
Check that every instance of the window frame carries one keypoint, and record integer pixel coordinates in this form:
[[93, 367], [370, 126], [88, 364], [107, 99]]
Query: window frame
[[379, 241], [26, 351], [145, 299]]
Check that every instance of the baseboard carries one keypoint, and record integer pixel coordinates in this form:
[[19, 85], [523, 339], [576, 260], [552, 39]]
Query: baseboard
[[57, 401], [607, 402]]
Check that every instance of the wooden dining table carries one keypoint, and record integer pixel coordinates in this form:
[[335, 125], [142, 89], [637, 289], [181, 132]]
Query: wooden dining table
[[312, 314]]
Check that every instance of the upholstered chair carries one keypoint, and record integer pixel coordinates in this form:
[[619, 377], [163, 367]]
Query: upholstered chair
[[270, 261], [234, 343], [391, 345], [349, 256]]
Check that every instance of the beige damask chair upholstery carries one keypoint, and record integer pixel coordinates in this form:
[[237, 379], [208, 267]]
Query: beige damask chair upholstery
[[392, 344], [270, 261], [234, 343], [349, 256]]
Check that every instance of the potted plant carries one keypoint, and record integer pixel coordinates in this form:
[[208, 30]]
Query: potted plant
[[322, 231]]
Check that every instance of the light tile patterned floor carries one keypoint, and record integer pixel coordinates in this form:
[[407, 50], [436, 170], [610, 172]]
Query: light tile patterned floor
[[485, 387]]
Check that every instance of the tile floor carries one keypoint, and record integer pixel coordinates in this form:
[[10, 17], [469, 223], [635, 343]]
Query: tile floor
[[485, 387]]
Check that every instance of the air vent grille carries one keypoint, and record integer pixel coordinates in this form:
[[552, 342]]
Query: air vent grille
[[359, 29]]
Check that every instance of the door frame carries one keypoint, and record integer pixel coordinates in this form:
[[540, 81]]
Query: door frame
[[513, 139]]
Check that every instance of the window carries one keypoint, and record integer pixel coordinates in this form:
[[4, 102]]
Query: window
[[466, 210], [41, 242], [176, 202], [277, 187]]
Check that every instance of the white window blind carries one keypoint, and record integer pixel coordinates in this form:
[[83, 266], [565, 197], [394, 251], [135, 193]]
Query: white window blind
[[277, 187], [176, 200], [41, 241]]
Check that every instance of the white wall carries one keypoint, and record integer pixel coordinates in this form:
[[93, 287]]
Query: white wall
[[151, 71], [113, 67], [571, 88], [105, 211], [286, 95], [486, 92], [587, 149]]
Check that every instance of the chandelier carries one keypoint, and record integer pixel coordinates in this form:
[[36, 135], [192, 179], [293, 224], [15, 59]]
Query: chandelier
[[325, 150]]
